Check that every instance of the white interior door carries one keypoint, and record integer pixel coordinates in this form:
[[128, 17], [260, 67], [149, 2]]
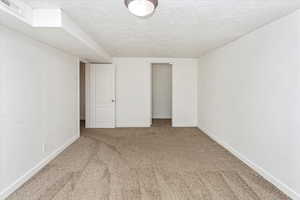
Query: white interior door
[[101, 96]]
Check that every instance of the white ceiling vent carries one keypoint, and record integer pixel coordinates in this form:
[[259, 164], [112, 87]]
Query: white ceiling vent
[[12, 6]]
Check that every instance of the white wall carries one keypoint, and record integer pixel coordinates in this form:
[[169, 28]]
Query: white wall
[[161, 91], [39, 106], [184, 93], [133, 91], [249, 100]]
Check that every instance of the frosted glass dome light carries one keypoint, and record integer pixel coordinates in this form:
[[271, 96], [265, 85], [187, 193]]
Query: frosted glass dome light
[[141, 8]]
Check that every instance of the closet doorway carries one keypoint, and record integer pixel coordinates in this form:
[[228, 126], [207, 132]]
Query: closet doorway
[[161, 95]]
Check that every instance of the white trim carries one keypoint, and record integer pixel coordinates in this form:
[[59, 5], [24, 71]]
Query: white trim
[[151, 94], [183, 124], [92, 96], [87, 96], [161, 116], [133, 124], [155, 115], [103, 124], [29, 174], [264, 173], [77, 99]]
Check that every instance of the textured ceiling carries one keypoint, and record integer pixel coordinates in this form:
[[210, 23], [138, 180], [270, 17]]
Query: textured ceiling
[[179, 28]]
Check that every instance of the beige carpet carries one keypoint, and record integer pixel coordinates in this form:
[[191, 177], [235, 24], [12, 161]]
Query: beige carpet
[[157, 163]]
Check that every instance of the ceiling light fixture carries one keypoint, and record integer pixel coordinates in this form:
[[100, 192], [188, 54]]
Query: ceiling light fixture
[[141, 8]]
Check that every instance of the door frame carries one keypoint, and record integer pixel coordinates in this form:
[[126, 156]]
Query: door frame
[[151, 91], [77, 98], [87, 95]]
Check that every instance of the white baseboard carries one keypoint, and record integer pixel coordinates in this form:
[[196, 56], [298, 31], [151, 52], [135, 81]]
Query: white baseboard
[[183, 124], [161, 116], [29, 174], [280, 185], [133, 124]]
